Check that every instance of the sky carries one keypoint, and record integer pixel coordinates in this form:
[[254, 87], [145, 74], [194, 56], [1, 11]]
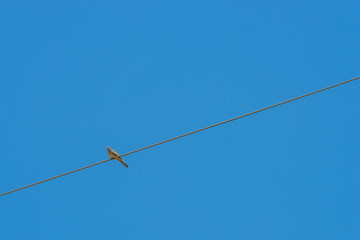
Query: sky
[[77, 76]]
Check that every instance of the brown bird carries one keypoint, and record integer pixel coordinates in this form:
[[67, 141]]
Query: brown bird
[[113, 154]]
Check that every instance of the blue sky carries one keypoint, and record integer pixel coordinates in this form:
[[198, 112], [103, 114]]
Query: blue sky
[[77, 76]]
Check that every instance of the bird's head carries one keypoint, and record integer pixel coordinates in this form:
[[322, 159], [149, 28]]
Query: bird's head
[[108, 148]]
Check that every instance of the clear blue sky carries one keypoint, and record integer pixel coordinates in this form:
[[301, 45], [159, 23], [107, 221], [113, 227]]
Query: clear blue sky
[[77, 76]]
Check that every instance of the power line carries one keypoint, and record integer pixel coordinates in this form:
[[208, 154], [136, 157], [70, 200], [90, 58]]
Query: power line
[[187, 134]]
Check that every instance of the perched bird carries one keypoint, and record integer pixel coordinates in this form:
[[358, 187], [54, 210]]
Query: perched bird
[[113, 154]]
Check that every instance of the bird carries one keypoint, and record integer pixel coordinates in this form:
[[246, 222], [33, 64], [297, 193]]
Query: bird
[[114, 155]]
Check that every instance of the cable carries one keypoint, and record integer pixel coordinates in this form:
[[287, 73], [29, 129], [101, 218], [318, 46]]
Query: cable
[[187, 134], [61, 175]]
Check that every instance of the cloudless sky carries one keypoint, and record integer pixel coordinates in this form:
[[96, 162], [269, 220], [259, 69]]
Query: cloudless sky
[[77, 76]]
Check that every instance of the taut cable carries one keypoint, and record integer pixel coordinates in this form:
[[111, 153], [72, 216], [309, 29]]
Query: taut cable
[[187, 134]]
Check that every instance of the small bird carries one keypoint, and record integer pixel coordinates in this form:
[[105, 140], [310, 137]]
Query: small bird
[[113, 154]]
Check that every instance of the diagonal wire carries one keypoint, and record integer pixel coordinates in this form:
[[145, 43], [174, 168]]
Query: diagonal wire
[[184, 135]]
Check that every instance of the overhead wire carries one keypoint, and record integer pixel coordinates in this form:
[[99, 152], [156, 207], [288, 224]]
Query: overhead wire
[[186, 134]]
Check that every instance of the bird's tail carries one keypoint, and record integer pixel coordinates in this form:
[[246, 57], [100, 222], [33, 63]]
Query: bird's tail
[[123, 163]]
